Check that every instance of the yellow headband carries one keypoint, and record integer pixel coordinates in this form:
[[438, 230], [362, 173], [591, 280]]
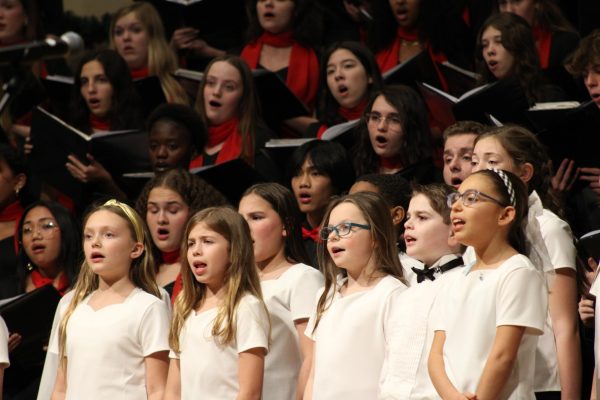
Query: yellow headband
[[131, 216]]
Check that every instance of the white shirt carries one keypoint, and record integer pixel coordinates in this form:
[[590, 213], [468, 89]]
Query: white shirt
[[404, 374], [4, 361], [106, 348], [210, 370], [469, 308], [550, 242], [288, 298], [350, 342], [595, 290]]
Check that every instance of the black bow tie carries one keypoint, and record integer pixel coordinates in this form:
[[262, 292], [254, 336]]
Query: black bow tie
[[428, 273]]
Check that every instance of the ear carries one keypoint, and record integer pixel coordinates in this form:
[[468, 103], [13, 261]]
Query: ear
[[137, 251], [20, 181], [398, 215], [526, 172], [507, 216]]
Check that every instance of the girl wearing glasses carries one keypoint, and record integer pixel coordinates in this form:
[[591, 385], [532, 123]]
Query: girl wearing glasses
[[486, 319], [394, 135], [550, 248], [288, 284], [349, 324]]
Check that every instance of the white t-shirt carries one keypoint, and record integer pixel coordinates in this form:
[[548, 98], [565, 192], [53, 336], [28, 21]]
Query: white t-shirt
[[404, 374], [210, 370], [288, 298], [553, 246], [595, 290], [469, 308], [4, 361], [106, 348], [350, 342]]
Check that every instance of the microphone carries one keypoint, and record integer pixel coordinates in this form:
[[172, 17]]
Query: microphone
[[68, 44]]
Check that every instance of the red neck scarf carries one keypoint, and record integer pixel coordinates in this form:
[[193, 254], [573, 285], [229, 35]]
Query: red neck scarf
[[170, 257], [388, 57], [543, 42], [139, 73], [355, 112], [11, 212], [228, 134], [312, 234], [303, 67], [39, 280], [177, 287], [98, 124], [390, 163]]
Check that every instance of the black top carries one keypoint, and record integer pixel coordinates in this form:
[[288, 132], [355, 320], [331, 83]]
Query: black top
[[9, 286]]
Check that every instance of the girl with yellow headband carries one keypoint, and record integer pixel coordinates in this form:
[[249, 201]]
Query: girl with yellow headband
[[113, 338]]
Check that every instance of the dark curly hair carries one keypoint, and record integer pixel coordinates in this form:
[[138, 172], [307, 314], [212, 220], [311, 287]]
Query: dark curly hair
[[185, 117], [586, 55], [417, 137]]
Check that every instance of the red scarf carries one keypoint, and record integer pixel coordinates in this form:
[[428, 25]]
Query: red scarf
[[543, 42], [177, 287], [98, 124], [11, 212], [388, 57], [355, 112], [312, 234], [39, 280], [390, 163], [228, 134], [139, 73], [170, 257], [303, 68]]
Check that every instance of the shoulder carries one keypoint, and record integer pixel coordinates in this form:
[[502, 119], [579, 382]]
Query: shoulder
[[302, 271], [390, 285], [145, 300]]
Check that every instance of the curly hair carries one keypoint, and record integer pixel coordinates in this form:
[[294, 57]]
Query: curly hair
[[417, 137], [586, 55]]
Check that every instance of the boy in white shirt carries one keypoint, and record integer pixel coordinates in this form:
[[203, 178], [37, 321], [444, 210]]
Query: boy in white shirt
[[428, 238]]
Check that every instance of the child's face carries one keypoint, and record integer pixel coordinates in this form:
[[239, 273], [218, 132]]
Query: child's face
[[425, 232], [108, 245], [499, 60], [458, 150], [386, 134], [478, 222], [166, 217], [353, 252], [96, 89], [312, 189], [131, 40], [169, 146], [266, 227], [208, 256], [592, 82], [41, 237], [347, 78], [223, 90], [489, 153]]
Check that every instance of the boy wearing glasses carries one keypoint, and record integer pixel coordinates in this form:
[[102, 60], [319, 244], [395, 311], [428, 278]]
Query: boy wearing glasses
[[428, 237]]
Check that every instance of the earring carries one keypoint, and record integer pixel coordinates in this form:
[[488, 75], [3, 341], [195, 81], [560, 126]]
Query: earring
[[17, 190], [29, 266]]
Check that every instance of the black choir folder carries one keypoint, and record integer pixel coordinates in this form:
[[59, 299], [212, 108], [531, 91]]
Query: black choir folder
[[419, 68], [31, 315], [54, 140], [277, 101], [231, 178], [568, 130], [504, 99]]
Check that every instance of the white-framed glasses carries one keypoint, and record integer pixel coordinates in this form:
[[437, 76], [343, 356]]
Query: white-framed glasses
[[393, 120]]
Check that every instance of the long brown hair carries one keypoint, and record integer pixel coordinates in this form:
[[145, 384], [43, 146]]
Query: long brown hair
[[241, 277], [376, 211]]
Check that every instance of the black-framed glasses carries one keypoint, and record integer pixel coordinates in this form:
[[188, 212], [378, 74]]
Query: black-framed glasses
[[342, 229], [470, 197], [393, 120]]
